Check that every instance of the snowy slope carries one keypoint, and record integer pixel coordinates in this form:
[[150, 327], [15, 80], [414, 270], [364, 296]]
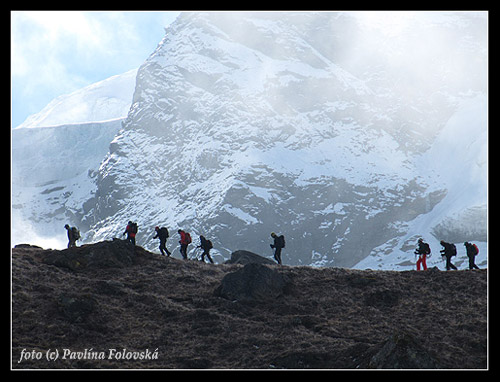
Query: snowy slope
[[456, 161], [56, 154], [53, 172], [102, 101]]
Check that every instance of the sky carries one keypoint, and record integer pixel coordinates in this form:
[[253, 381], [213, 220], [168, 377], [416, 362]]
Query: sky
[[57, 52]]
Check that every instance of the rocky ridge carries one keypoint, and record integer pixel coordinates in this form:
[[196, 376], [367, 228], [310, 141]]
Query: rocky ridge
[[99, 299]]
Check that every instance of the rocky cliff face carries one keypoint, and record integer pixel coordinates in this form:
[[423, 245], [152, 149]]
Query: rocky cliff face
[[310, 124]]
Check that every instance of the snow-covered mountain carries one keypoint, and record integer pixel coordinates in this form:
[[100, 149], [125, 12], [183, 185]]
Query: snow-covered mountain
[[55, 155], [53, 173], [456, 161], [103, 101], [322, 126]]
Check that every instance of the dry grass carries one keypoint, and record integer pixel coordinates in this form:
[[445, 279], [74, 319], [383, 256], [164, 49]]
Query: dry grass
[[329, 318]]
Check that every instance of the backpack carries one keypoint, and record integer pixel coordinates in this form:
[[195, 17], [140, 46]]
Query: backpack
[[453, 250], [282, 241], [209, 244], [188, 238], [427, 249], [76, 233], [476, 249], [164, 232], [133, 228]]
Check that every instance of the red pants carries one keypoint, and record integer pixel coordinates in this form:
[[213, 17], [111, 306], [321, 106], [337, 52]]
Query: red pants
[[422, 260]]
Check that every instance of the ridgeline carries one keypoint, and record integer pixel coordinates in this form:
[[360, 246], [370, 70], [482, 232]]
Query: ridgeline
[[112, 305]]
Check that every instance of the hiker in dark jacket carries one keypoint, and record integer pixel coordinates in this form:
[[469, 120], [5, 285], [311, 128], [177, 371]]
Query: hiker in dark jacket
[[472, 252], [73, 235], [448, 251], [279, 243], [206, 245], [162, 234]]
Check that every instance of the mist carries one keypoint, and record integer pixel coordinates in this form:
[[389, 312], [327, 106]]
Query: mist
[[409, 64], [25, 232]]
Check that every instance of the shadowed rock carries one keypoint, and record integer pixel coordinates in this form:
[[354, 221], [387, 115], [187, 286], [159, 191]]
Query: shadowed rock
[[253, 282], [402, 351], [105, 254], [247, 257]]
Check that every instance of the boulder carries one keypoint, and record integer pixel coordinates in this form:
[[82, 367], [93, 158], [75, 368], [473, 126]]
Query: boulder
[[76, 308], [253, 282], [247, 257], [105, 254], [383, 298], [27, 246], [402, 351]]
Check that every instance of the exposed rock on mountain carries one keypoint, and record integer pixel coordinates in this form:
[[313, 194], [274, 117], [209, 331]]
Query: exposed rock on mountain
[[254, 282], [402, 351], [246, 257]]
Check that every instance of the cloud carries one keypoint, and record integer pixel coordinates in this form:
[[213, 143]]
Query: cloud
[[47, 47], [24, 232], [57, 52]]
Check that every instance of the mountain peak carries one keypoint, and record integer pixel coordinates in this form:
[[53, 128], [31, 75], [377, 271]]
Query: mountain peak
[[102, 101]]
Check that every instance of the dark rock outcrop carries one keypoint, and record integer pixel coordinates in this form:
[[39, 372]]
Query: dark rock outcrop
[[247, 257], [105, 254], [383, 298], [27, 246], [253, 282], [76, 308], [402, 351]]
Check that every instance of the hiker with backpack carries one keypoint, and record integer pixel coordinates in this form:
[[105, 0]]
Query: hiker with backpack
[[472, 251], [422, 251], [73, 235], [279, 244], [131, 231], [449, 250], [162, 234], [206, 245], [184, 242]]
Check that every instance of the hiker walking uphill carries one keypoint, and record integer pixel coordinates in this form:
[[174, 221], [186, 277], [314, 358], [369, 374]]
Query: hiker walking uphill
[[184, 242], [206, 245], [73, 235], [472, 251], [279, 243], [131, 231], [162, 234], [422, 251], [448, 251]]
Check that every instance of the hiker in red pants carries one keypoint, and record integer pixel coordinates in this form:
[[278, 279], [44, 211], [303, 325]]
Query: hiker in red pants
[[422, 251]]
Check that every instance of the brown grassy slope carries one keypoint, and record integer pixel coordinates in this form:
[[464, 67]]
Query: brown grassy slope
[[106, 296]]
